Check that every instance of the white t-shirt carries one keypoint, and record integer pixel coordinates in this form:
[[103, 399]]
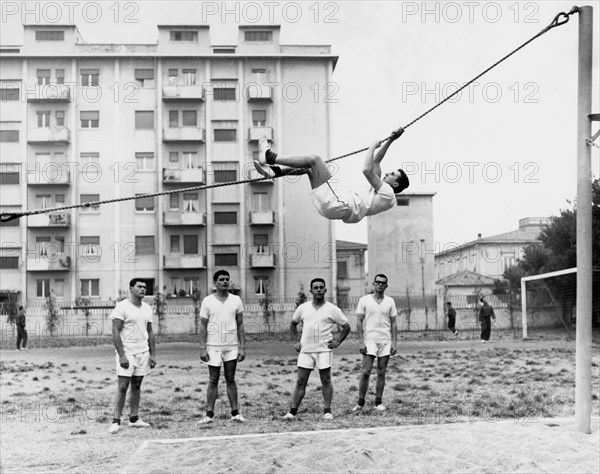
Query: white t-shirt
[[377, 325], [366, 202], [222, 325], [317, 325], [135, 325]]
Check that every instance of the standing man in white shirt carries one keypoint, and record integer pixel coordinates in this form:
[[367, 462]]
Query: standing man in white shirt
[[222, 343], [316, 345], [135, 351], [376, 327]]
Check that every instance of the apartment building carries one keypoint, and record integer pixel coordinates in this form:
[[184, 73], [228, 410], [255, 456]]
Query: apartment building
[[84, 122]]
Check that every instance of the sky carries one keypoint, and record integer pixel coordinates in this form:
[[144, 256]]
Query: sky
[[504, 149]]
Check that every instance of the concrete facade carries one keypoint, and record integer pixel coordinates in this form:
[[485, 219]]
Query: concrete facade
[[86, 122]]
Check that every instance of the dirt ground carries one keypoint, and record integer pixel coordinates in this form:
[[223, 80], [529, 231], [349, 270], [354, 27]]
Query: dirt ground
[[506, 406]]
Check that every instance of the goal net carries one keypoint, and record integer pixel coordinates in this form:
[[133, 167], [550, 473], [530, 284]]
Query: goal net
[[549, 300]]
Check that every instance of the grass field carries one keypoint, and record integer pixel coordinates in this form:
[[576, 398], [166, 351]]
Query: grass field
[[57, 401]]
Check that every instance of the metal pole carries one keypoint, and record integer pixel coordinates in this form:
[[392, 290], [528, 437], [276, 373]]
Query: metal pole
[[583, 353], [524, 307]]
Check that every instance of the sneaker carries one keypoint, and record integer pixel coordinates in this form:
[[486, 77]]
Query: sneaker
[[357, 409], [264, 170], [380, 408], [483, 341], [289, 417], [239, 418], [328, 416], [114, 428], [206, 420], [139, 424], [263, 146]]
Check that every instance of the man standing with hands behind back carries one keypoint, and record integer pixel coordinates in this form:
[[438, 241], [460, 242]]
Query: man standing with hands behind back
[[135, 351], [376, 328], [223, 343]]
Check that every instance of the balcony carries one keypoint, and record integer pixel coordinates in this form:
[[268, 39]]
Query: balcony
[[57, 173], [58, 219], [188, 175], [184, 218], [254, 133], [179, 261], [251, 173], [57, 262], [183, 92], [183, 134], [258, 92], [262, 217], [58, 135], [49, 93], [262, 260]]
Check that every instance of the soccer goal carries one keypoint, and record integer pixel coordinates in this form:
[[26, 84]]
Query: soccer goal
[[556, 292]]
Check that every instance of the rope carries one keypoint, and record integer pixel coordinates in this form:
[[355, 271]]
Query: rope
[[560, 19]]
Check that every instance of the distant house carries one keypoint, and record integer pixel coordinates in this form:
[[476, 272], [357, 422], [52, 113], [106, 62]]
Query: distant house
[[490, 256], [351, 277], [468, 285]]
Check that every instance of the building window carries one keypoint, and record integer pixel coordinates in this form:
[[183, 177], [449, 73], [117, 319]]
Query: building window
[[172, 80], [402, 201], [90, 166], [90, 119], [144, 204], [7, 136], [190, 245], [90, 287], [173, 118], [43, 76], [342, 270], [59, 116], [90, 246], [258, 35], [259, 118], [43, 201], [224, 94], [85, 198], [225, 172], [144, 161], [59, 287], [189, 118], [43, 119], [229, 217], [90, 77], [174, 244], [10, 173], [9, 263], [190, 202], [261, 242], [9, 94], [190, 285], [261, 284], [145, 77], [50, 35], [189, 77], [144, 119], [144, 245], [174, 202], [226, 259], [60, 76], [174, 160], [225, 135], [260, 202], [184, 36], [42, 288], [190, 160]]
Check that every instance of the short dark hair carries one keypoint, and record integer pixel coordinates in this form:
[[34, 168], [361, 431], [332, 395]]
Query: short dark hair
[[133, 281], [449, 303], [317, 279], [21, 307], [382, 276], [402, 182], [218, 273]]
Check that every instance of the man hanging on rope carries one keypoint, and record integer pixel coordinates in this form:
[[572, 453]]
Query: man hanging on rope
[[348, 205]]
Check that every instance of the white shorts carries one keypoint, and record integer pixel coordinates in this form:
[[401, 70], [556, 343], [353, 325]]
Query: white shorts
[[139, 365], [327, 203], [219, 354], [378, 349], [310, 360]]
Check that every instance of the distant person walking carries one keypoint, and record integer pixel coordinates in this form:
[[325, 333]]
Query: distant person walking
[[316, 345], [486, 314], [376, 327], [451, 313], [135, 352], [21, 330]]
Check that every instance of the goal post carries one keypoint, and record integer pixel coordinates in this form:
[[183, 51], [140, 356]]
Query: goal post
[[541, 276]]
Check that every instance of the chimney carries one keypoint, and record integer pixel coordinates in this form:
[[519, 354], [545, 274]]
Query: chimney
[[479, 236]]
